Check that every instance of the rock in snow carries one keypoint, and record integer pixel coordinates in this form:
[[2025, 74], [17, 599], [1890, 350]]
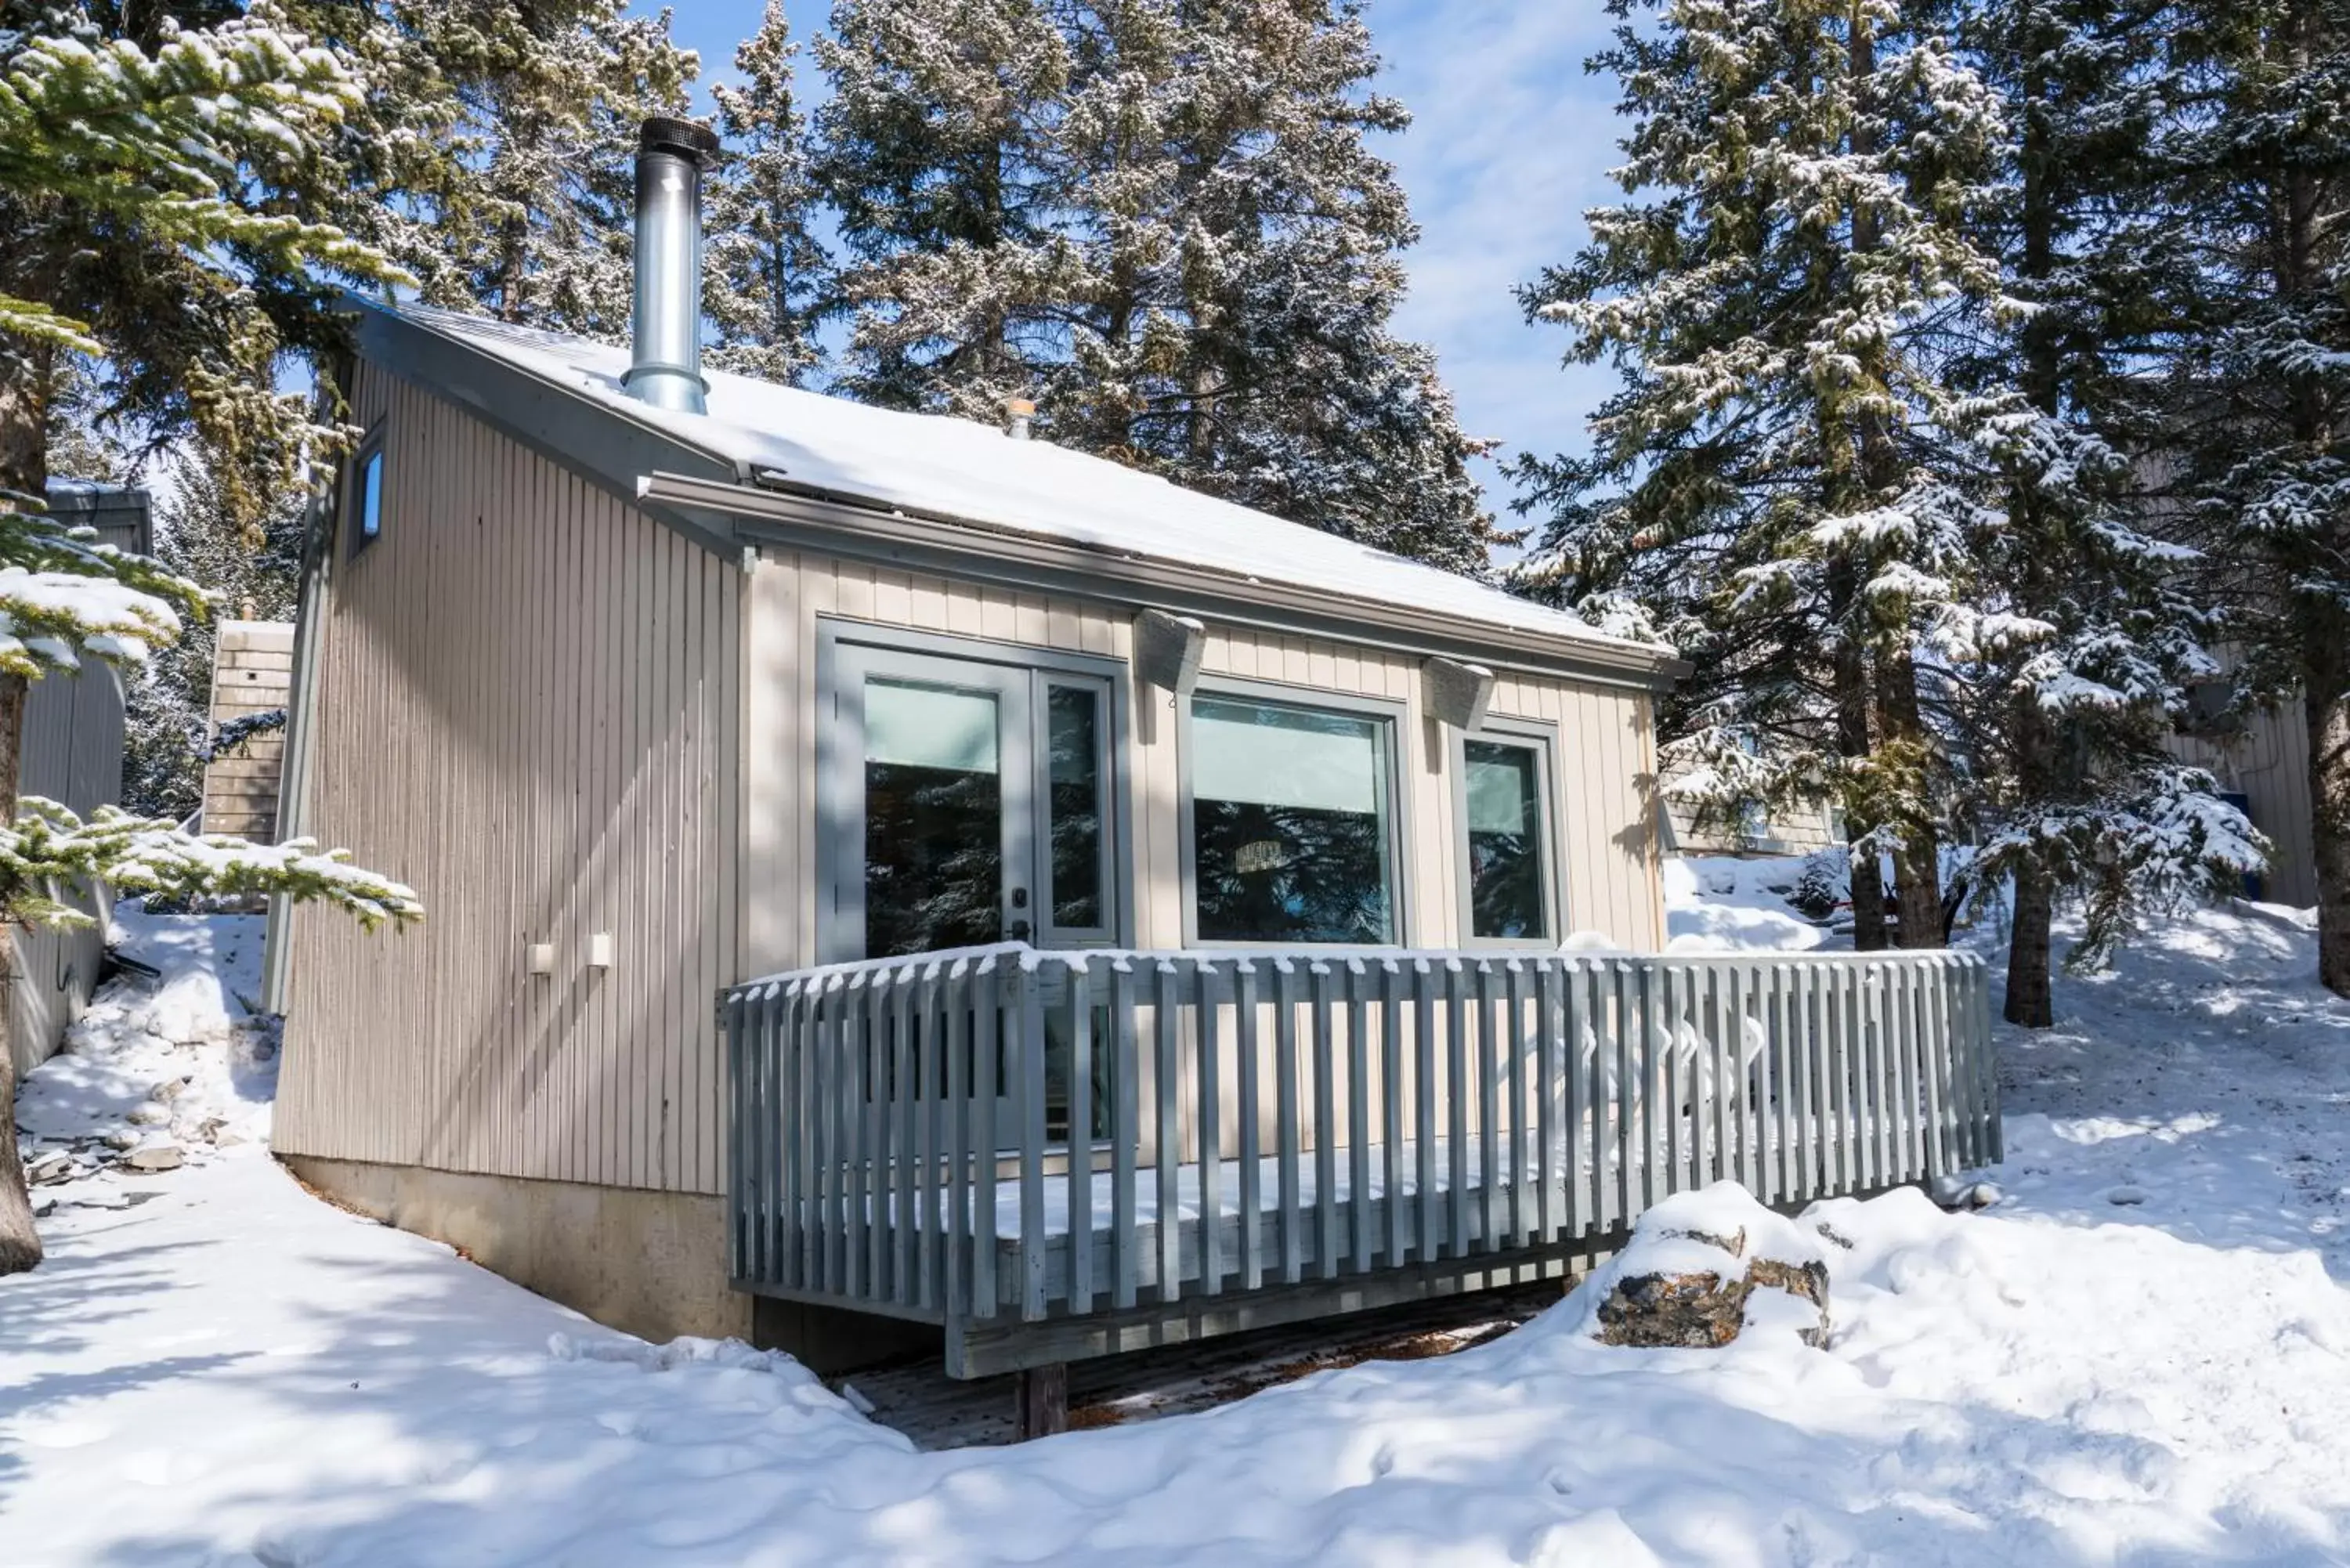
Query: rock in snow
[[1694, 1263]]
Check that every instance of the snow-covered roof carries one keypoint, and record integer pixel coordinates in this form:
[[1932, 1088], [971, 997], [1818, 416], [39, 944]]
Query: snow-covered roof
[[934, 466]]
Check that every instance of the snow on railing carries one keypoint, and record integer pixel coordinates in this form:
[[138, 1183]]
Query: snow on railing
[[900, 1127]]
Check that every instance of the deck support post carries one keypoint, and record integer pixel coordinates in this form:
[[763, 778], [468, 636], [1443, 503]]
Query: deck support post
[[1042, 1393]]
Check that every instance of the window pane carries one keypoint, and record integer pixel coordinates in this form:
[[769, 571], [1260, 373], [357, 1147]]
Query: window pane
[[1074, 736], [1290, 833], [933, 819], [372, 495], [1506, 897]]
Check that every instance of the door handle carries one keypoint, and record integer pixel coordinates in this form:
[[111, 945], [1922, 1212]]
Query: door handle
[[1017, 931]]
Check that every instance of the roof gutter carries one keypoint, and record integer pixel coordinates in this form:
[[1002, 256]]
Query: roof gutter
[[780, 510]]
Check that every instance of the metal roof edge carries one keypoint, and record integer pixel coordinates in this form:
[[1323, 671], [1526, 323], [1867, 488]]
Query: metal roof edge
[[777, 513], [598, 442]]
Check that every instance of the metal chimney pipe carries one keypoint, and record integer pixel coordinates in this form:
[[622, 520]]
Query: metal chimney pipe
[[666, 371]]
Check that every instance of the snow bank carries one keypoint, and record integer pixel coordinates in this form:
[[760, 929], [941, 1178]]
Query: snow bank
[[178, 1061], [1720, 903]]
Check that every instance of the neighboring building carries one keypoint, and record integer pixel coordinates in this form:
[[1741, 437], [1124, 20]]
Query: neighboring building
[[1798, 831], [2263, 758], [252, 666], [646, 701], [73, 754]]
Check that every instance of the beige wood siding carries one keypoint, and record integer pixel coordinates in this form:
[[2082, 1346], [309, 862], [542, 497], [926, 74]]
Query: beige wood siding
[[2268, 763], [253, 665], [526, 708], [1606, 753], [73, 754]]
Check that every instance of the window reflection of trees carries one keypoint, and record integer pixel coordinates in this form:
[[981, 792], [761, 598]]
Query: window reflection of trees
[[933, 858], [1323, 880], [1075, 770], [1505, 885]]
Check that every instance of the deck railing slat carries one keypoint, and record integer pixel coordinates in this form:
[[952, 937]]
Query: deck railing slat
[[1284, 1095], [1326, 1126], [1359, 1113], [1081, 1137], [1125, 1137], [1423, 1108], [1391, 1097], [985, 991], [1248, 1068], [1207, 1010], [1167, 1070]]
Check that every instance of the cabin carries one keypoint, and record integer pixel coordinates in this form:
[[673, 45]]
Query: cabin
[[894, 886]]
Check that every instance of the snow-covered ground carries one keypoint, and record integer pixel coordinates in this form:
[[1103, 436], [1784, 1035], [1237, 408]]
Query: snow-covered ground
[[2141, 1355]]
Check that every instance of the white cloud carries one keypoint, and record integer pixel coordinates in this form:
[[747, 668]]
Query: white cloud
[[1510, 142]]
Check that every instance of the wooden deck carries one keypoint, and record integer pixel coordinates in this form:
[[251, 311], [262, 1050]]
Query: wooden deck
[[1330, 1131]]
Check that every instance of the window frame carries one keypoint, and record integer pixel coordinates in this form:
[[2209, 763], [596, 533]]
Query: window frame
[[1394, 717], [369, 450], [1541, 738], [1045, 668]]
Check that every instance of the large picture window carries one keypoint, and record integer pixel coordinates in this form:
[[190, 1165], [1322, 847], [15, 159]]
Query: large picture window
[[1293, 829], [1509, 892]]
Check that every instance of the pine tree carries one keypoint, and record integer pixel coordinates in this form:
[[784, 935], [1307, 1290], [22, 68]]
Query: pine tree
[[1162, 222], [938, 148], [522, 204], [2067, 700], [145, 186], [767, 273], [2261, 409], [1786, 483]]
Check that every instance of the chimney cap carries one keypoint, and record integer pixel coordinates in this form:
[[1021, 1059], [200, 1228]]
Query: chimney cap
[[687, 138], [1017, 407]]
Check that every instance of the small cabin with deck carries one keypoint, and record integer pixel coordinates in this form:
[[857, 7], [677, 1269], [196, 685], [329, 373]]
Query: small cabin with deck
[[892, 884]]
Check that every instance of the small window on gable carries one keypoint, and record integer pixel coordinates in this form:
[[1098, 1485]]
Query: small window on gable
[[367, 496], [1506, 832]]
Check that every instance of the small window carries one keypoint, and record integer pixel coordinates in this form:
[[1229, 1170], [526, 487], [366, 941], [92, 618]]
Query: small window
[[1293, 831], [367, 497], [1508, 859]]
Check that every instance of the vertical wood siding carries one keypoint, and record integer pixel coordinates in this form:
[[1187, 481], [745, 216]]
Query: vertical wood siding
[[2268, 763], [527, 707], [1606, 753]]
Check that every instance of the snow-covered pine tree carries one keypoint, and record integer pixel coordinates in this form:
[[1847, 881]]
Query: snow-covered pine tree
[[144, 181], [1242, 247], [767, 273], [1783, 482], [2261, 404], [500, 151], [1162, 222], [939, 150], [2068, 687]]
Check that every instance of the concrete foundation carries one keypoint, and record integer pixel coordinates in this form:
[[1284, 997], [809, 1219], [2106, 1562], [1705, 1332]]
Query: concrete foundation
[[649, 1263]]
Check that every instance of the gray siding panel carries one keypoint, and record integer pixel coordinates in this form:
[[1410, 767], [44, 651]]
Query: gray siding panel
[[523, 701]]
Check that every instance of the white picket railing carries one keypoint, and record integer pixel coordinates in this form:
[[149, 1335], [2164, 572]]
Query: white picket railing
[[900, 1127]]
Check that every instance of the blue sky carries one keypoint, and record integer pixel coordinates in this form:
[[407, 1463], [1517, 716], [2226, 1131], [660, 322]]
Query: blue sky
[[1510, 141]]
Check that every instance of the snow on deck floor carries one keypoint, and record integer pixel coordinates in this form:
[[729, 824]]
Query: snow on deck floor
[[2141, 1357]]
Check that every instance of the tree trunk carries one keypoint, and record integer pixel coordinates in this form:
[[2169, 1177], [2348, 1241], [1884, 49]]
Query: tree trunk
[[2329, 799], [2031, 1001], [1868, 882], [24, 468], [1918, 861]]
